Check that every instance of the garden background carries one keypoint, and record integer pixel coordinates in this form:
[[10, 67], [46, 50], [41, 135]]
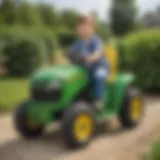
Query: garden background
[[36, 35]]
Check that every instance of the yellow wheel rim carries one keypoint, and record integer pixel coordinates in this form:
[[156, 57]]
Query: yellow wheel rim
[[83, 127], [32, 124], [136, 109]]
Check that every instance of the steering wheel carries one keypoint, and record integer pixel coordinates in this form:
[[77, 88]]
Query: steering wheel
[[77, 58]]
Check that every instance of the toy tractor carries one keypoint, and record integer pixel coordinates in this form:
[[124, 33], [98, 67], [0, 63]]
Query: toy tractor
[[62, 93]]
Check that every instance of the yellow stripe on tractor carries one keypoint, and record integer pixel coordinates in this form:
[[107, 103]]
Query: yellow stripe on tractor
[[111, 55]]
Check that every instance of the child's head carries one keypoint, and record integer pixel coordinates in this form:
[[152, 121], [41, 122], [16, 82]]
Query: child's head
[[86, 27]]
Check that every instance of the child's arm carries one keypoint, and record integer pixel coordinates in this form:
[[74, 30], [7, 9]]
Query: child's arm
[[97, 53], [94, 57]]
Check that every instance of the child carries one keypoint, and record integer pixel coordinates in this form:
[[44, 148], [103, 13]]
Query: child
[[91, 47]]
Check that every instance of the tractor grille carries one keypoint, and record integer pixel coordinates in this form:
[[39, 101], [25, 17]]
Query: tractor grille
[[41, 94]]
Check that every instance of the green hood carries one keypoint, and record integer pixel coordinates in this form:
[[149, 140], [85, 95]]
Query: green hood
[[61, 72]]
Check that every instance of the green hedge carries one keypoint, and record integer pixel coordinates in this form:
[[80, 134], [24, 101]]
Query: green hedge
[[140, 53], [26, 48], [65, 38]]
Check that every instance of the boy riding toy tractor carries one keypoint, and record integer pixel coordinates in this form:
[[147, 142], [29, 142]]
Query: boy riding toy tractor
[[63, 93]]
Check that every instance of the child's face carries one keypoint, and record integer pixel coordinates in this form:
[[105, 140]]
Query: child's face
[[85, 31]]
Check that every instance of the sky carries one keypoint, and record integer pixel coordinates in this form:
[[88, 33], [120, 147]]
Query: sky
[[100, 6]]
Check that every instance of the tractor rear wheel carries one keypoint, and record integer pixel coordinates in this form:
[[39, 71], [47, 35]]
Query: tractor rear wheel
[[24, 125], [78, 125], [132, 109]]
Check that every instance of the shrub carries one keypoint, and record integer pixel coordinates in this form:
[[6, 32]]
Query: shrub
[[65, 38], [26, 49], [23, 57], [50, 41], [139, 52]]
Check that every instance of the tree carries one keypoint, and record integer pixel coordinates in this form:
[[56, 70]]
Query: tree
[[123, 15], [69, 18], [151, 19], [28, 14], [103, 30], [48, 15], [8, 12]]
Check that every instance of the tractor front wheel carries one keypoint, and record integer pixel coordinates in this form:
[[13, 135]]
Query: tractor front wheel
[[78, 125], [27, 127]]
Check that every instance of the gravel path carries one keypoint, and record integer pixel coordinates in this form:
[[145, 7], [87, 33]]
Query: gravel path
[[115, 144]]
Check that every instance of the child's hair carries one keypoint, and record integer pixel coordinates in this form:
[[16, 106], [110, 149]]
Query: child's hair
[[88, 19]]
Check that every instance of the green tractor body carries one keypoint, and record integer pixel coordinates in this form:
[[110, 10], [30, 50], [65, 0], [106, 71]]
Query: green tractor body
[[54, 90], [63, 93]]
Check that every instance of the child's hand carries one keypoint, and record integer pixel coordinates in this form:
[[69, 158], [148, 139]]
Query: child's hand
[[89, 59], [93, 58]]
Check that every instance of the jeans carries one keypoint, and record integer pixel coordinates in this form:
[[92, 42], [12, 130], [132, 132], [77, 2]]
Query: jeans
[[98, 78]]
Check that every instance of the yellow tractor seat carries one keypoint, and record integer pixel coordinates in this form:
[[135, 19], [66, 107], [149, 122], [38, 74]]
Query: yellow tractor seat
[[111, 56]]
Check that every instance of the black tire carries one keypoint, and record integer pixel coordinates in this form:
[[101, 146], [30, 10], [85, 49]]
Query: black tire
[[69, 120], [20, 122], [125, 114]]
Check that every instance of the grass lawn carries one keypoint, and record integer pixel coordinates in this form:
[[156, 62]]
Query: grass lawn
[[154, 154], [12, 92]]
